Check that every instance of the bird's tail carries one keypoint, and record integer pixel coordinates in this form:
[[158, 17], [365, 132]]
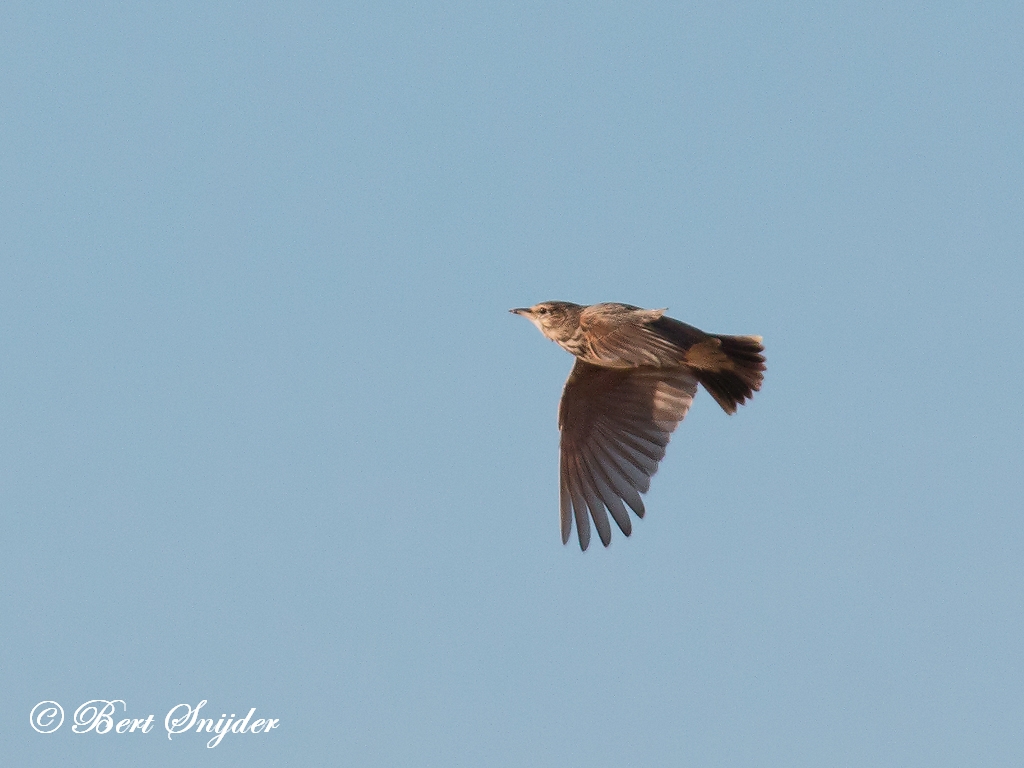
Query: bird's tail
[[731, 368]]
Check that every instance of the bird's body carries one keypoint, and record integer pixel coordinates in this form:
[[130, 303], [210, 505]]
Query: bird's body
[[635, 376]]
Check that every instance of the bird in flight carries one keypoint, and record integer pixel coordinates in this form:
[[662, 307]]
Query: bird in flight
[[635, 375]]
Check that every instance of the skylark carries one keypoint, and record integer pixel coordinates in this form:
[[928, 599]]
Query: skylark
[[635, 376]]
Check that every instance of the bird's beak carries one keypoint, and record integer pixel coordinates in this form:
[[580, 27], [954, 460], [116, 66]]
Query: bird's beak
[[520, 311]]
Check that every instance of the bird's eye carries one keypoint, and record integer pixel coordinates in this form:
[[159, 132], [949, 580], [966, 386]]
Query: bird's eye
[[542, 311]]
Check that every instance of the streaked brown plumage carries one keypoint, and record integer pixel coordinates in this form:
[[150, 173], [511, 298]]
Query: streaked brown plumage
[[635, 376]]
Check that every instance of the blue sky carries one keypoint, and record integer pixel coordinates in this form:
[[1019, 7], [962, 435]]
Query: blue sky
[[272, 440]]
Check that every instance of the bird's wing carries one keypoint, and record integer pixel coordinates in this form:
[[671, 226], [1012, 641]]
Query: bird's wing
[[623, 336], [615, 424]]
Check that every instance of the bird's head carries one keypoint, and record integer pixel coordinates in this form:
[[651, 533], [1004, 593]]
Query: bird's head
[[557, 320]]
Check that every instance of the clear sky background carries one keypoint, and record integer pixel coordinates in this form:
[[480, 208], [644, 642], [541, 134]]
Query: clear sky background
[[271, 439]]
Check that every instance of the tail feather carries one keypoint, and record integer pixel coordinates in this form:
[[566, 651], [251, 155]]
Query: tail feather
[[737, 370], [731, 368]]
